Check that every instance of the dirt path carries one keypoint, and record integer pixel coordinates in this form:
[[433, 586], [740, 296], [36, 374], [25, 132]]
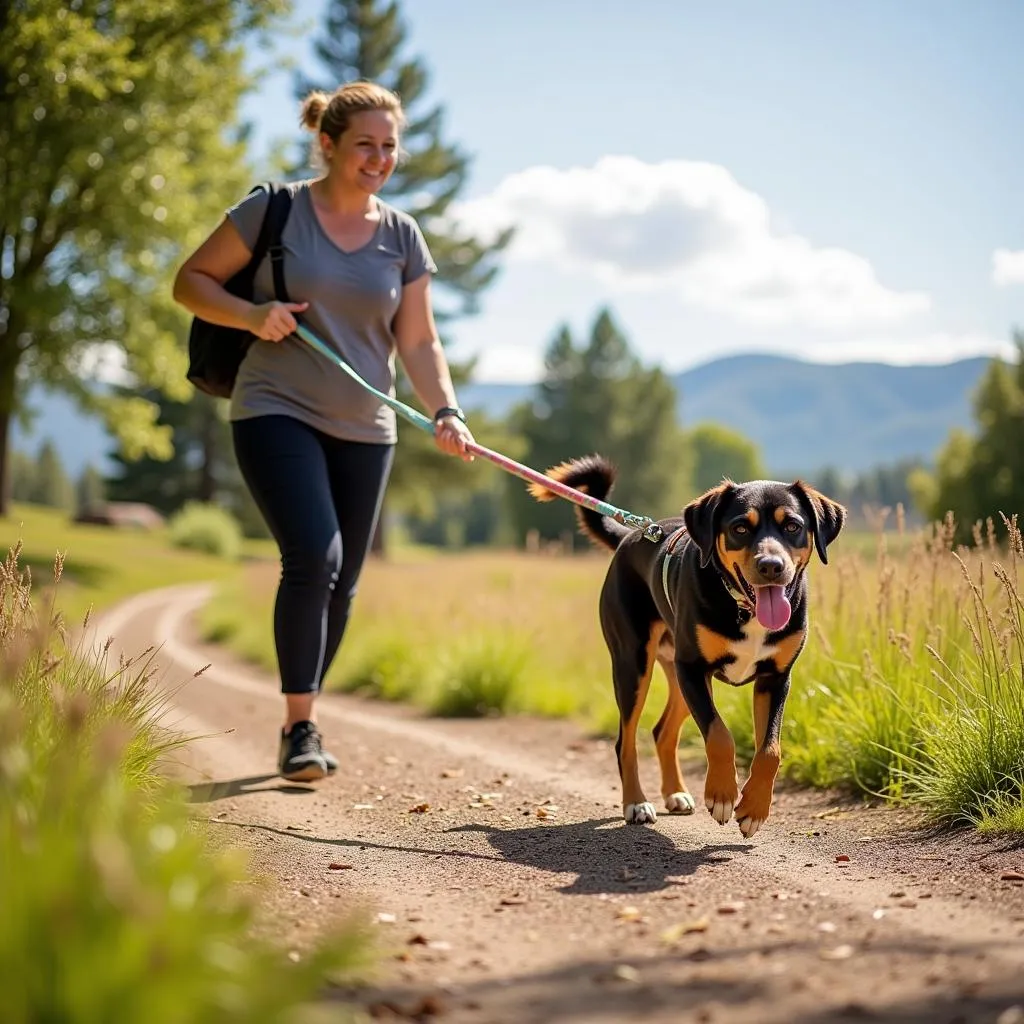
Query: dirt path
[[506, 887]]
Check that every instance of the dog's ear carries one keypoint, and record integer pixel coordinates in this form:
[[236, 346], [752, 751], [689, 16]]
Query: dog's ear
[[827, 517], [702, 517]]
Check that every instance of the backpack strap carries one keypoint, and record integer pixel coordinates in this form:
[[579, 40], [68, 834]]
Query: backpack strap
[[278, 208], [268, 242]]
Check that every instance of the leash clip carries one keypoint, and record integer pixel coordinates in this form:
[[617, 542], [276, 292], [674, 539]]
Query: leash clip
[[648, 527]]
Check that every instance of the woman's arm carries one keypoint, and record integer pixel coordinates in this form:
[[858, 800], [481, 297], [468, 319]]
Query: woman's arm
[[199, 287], [422, 355]]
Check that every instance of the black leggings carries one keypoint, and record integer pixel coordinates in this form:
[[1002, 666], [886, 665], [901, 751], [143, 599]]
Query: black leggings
[[321, 498]]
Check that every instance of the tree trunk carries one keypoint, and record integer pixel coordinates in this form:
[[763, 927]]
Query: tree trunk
[[8, 377], [208, 440]]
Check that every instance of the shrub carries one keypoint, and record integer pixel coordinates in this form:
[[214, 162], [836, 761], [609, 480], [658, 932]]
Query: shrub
[[206, 528], [480, 677]]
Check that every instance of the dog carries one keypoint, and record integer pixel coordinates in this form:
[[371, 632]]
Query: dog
[[723, 595]]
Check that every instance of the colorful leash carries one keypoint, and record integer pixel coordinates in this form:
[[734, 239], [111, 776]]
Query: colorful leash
[[650, 529]]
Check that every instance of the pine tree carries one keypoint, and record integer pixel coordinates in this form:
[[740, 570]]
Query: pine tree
[[599, 398], [366, 39], [979, 475], [52, 487], [89, 490]]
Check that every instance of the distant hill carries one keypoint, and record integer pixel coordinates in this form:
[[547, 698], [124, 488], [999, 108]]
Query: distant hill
[[803, 415], [809, 415]]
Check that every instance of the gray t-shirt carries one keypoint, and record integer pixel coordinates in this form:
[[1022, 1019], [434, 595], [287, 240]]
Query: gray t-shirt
[[353, 298]]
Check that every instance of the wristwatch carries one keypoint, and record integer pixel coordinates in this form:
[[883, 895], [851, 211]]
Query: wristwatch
[[449, 410]]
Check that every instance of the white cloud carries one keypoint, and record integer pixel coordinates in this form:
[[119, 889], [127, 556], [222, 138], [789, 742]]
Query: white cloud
[[1008, 267], [509, 364], [918, 349], [689, 229]]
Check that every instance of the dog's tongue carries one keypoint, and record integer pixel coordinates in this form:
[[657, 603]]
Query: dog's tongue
[[773, 608]]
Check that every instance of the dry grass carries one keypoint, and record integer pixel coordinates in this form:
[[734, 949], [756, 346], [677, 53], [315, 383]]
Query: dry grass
[[910, 685]]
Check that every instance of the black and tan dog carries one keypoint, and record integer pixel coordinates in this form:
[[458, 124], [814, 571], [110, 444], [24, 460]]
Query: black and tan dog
[[723, 596]]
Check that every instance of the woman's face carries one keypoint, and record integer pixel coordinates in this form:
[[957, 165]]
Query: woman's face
[[365, 153]]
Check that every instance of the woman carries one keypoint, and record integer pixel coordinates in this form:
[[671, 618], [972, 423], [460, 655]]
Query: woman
[[314, 448]]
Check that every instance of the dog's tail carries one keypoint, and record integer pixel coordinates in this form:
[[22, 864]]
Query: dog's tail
[[594, 475]]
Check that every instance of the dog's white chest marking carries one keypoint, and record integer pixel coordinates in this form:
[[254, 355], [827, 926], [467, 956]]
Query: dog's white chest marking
[[748, 652]]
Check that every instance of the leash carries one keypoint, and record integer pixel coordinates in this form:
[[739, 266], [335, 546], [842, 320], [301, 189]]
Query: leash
[[650, 529]]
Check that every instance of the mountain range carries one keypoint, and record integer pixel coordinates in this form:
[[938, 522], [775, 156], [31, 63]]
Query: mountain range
[[803, 415]]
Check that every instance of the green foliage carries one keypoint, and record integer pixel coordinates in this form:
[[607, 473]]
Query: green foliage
[[599, 398], [119, 148], [206, 528], [117, 907], [979, 476], [718, 452]]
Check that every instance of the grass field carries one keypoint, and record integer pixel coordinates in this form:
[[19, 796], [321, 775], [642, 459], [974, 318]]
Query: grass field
[[910, 685], [103, 565], [909, 688]]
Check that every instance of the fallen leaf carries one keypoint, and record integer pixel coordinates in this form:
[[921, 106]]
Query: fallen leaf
[[842, 858], [419, 808], [837, 953], [338, 866], [675, 932], [452, 773], [1012, 876], [733, 907], [512, 901]]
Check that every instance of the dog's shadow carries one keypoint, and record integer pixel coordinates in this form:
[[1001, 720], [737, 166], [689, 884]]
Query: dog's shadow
[[605, 855]]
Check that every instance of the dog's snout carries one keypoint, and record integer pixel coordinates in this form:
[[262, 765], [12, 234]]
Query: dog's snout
[[771, 567]]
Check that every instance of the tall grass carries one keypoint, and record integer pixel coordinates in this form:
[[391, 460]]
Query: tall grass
[[116, 905], [910, 686]]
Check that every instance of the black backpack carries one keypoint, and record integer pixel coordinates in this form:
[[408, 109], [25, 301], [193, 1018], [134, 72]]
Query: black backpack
[[215, 352]]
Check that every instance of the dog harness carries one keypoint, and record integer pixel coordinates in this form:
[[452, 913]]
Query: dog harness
[[670, 547], [743, 609]]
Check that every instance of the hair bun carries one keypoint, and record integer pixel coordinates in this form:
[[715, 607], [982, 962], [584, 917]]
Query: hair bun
[[313, 107]]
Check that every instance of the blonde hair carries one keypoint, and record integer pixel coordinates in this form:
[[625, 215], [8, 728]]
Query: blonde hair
[[332, 114]]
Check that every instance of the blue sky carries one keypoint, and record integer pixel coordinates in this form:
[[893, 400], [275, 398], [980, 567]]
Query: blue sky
[[838, 181]]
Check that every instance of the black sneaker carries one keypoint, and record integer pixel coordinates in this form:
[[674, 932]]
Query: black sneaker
[[330, 760], [301, 756]]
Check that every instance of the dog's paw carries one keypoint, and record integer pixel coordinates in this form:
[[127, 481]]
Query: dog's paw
[[640, 814], [749, 825], [720, 806], [680, 803]]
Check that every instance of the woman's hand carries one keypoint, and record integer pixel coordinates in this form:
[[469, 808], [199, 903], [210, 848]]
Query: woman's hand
[[273, 321], [452, 435]]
